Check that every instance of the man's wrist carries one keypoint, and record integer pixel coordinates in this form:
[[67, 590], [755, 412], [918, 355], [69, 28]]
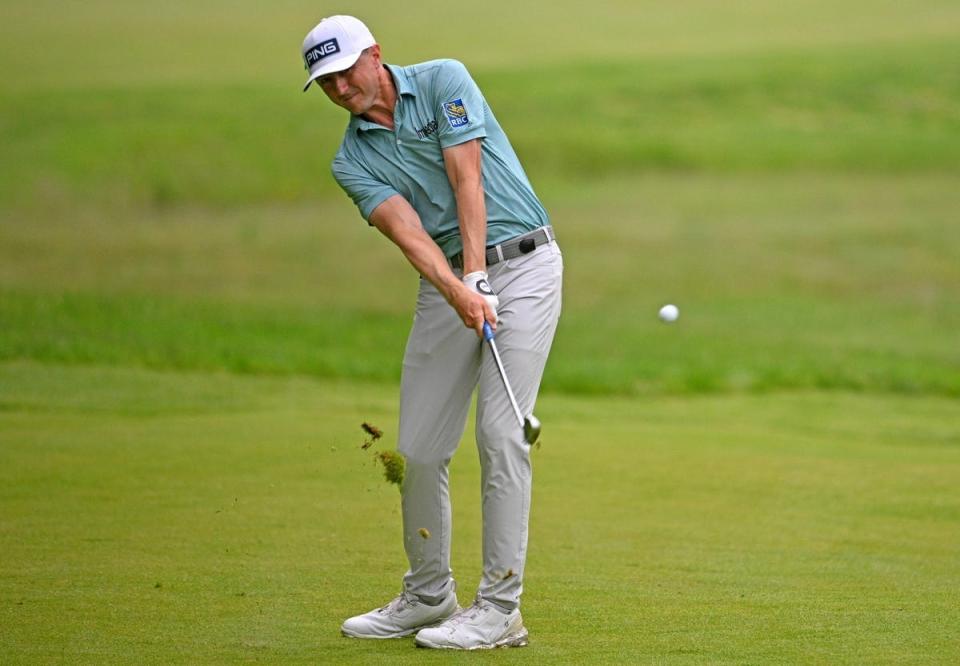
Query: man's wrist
[[470, 277]]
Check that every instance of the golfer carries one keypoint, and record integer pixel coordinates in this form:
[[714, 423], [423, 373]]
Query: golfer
[[427, 164]]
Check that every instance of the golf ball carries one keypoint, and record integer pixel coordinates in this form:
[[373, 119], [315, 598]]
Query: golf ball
[[669, 313]]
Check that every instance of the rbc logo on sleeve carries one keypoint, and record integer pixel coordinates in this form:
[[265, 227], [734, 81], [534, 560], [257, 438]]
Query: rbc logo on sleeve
[[456, 113]]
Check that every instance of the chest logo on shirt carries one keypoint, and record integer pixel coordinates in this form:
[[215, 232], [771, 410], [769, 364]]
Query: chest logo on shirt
[[428, 129], [456, 113]]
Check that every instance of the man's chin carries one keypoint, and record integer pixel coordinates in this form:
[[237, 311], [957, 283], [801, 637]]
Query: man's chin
[[354, 105]]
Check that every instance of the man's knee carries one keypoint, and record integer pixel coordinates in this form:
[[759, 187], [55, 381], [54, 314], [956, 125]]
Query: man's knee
[[421, 462], [495, 434]]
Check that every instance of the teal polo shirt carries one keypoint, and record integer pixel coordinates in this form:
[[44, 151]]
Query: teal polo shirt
[[438, 106]]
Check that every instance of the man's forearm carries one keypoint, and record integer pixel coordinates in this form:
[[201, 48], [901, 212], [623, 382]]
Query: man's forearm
[[425, 255], [397, 220], [463, 164], [472, 216]]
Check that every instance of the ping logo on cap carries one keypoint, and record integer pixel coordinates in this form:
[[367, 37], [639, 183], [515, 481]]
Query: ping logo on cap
[[315, 54], [456, 113]]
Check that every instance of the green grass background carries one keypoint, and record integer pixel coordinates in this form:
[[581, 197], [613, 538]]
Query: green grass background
[[194, 322]]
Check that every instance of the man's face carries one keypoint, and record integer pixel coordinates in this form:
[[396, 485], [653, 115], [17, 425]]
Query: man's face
[[355, 88]]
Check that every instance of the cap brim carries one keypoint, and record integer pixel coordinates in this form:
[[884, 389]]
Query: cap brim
[[335, 65]]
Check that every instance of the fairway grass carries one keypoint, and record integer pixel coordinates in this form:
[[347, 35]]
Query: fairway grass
[[880, 108], [798, 281], [207, 518], [195, 321]]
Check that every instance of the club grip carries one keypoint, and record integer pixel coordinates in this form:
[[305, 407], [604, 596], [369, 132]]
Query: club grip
[[487, 331]]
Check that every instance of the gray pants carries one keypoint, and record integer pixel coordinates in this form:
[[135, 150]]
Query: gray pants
[[443, 363]]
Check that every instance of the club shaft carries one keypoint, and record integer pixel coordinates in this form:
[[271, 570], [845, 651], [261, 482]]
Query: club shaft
[[503, 376]]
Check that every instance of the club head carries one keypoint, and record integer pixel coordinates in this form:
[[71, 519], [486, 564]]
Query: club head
[[531, 429]]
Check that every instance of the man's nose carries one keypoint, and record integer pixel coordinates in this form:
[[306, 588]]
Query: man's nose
[[340, 83]]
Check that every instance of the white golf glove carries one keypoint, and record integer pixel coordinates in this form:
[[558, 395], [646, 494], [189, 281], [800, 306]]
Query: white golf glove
[[477, 281]]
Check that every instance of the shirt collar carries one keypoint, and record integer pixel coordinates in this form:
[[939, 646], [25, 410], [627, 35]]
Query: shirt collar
[[404, 87]]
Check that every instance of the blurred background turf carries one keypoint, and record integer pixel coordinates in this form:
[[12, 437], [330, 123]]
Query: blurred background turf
[[785, 172], [194, 321]]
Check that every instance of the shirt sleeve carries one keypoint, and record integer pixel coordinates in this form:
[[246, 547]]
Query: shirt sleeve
[[461, 108], [366, 191]]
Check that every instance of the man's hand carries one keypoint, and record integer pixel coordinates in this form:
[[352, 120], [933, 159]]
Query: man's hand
[[479, 282], [473, 305]]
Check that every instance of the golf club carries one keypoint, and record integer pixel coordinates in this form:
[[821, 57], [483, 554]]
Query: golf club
[[530, 424]]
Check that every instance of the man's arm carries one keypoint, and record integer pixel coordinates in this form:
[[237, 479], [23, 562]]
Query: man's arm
[[396, 219], [463, 165]]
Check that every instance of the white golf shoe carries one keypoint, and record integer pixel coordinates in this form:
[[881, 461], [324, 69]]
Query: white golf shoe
[[401, 617], [481, 626]]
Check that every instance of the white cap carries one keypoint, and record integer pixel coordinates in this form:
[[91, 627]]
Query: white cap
[[334, 45]]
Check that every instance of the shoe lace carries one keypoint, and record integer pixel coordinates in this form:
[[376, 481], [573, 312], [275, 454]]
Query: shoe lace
[[471, 612], [400, 602]]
